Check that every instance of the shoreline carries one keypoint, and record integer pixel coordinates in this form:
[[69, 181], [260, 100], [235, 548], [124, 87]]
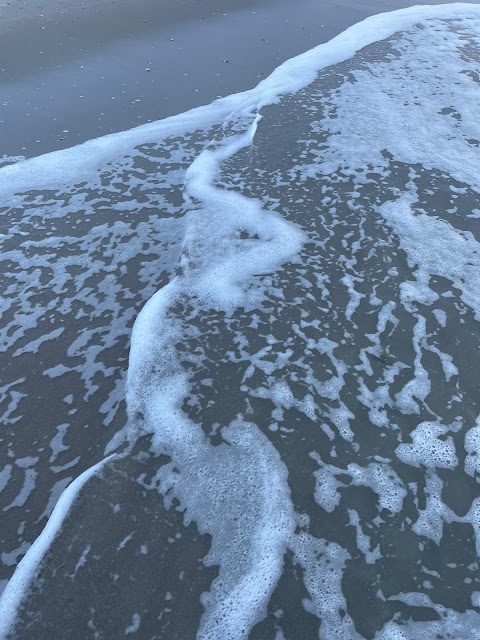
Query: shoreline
[[105, 75], [291, 74]]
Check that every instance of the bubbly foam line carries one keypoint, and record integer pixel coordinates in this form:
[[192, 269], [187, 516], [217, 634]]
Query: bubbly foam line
[[218, 270], [25, 571], [56, 168]]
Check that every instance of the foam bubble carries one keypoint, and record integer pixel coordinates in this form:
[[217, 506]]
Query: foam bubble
[[472, 448], [427, 448]]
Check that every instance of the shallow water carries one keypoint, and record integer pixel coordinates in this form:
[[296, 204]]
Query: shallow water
[[300, 451]]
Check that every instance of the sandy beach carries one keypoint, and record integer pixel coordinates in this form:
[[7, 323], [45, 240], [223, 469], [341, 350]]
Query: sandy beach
[[298, 406]]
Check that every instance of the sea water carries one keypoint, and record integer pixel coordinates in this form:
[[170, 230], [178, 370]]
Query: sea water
[[293, 451]]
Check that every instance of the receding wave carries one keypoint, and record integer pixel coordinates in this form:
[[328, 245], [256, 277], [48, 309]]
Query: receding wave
[[298, 269]]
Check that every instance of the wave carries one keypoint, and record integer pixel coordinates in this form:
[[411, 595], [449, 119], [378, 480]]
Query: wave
[[287, 364]]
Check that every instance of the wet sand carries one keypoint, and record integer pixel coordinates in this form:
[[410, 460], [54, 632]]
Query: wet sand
[[89, 85], [72, 71]]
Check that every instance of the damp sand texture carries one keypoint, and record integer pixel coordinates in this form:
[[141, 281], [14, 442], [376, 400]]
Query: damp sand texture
[[300, 266]]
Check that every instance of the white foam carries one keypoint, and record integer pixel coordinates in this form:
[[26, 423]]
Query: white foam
[[450, 624], [135, 626], [24, 493], [355, 297], [363, 541], [27, 567], [247, 479], [378, 476], [5, 475], [383, 480], [430, 520], [435, 247], [222, 270], [418, 388], [427, 448], [472, 448], [441, 317], [323, 563]]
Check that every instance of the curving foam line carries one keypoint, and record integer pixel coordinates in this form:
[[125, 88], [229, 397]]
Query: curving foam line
[[28, 565]]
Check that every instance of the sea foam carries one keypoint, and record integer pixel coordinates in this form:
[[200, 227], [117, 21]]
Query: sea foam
[[235, 249]]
